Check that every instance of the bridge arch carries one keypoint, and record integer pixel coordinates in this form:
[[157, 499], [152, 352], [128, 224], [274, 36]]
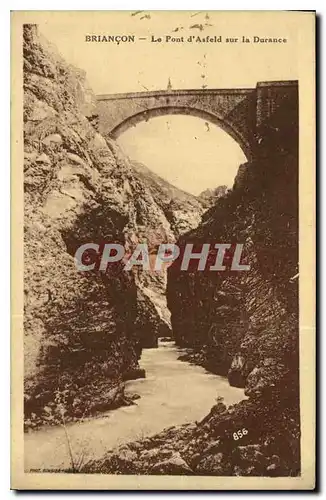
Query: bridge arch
[[213, 118]]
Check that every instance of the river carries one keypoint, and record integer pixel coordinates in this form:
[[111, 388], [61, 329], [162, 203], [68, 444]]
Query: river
[[173, 392]]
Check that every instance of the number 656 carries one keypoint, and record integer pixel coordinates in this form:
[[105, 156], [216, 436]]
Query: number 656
[[239, 434]]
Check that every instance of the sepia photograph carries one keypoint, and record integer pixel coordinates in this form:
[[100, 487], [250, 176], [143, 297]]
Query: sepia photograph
[[163, 274]]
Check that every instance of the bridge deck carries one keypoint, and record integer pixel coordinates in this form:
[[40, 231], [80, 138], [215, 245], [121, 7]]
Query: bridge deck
[[230, 91]]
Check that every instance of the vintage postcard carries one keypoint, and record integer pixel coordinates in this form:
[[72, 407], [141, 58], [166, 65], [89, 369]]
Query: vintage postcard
[[163, 225]]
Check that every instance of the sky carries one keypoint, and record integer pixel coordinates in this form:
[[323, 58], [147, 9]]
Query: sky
[[182, 149]]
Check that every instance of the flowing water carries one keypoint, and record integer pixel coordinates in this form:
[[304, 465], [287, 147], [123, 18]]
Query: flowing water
[[173, 392]]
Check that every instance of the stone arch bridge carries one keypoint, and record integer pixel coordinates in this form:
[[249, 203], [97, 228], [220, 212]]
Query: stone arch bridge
[[240, 112]]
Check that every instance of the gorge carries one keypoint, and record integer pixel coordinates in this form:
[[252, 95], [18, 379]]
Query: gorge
[[84, 332]]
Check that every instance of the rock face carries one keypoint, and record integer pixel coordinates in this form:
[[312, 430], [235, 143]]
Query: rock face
[[244, 325], [83, 331], [182, 210], [212, 447]]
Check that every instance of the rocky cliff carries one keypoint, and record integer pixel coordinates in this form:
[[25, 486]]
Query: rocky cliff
[[240, 324], [83, 331]]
